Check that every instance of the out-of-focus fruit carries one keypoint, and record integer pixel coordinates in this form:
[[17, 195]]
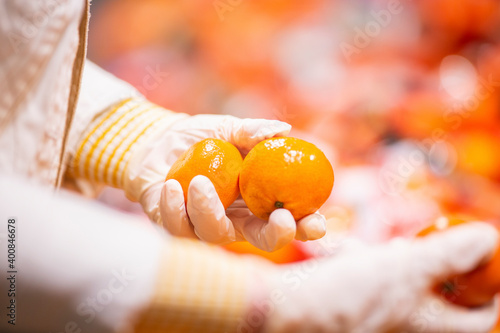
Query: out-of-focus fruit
[[471, 289], [291, 252], [477, 152]]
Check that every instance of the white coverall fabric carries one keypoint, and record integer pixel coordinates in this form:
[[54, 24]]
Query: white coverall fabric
[[39, 50], [39, 43], [80, 265]]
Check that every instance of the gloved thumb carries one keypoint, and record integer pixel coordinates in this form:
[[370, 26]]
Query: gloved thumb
[[207, 213], [457, 250], [246, 133], [271, 235]]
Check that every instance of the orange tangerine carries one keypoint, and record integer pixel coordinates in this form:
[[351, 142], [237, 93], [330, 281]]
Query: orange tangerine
[[285, 172], [216, 159]]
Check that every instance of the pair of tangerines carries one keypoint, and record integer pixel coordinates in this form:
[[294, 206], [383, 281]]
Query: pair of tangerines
[[281, 172]]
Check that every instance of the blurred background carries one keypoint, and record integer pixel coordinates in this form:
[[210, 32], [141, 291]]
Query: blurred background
[[402, 96]]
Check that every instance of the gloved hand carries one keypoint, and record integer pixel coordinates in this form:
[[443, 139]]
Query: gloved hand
[[204, 217], [383, 288], [147, 159]]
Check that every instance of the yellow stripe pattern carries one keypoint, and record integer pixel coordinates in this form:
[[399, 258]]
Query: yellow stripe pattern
[[103, 154], [201, 288]]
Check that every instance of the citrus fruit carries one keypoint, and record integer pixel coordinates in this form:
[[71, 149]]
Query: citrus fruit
[[285, 172], [289, 253], [477, 152], [471, 289], [216, 159]]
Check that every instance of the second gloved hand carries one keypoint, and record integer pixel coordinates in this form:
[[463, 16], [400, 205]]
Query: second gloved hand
[[382, 288]]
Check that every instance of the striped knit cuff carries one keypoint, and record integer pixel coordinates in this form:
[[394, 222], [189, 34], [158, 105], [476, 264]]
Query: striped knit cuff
[[200, 288], [103, 154]]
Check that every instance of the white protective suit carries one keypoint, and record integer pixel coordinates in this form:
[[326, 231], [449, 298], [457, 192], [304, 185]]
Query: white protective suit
[[43, 45]]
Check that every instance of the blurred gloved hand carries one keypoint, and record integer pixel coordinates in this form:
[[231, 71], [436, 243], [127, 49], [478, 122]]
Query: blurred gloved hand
[[146, 161], [384, 288]]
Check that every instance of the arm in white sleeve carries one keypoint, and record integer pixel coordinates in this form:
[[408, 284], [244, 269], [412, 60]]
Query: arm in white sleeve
[[80, 267], [76, 262], [99, 91]]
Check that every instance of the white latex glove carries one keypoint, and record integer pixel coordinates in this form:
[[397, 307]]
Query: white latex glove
[[384, 288], [164, 202]]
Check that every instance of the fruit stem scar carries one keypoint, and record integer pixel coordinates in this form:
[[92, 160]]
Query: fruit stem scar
[[279, 204], [448, 287]]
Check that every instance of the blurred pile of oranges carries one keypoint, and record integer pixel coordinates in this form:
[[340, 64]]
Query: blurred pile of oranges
[[403, 96]]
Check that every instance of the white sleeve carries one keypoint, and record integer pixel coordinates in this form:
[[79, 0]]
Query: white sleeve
[[99, 90], [77, 265]]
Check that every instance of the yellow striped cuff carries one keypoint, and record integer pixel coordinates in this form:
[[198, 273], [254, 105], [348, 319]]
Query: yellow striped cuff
[[103, 154], [201, 288]]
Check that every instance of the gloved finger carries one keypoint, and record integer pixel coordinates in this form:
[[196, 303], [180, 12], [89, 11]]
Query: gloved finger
[[173, 210], [149, 201], [207, 213], [268, 236], [457, 250], [311, 227], [239, 214], [437, 315], [246, 133]]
